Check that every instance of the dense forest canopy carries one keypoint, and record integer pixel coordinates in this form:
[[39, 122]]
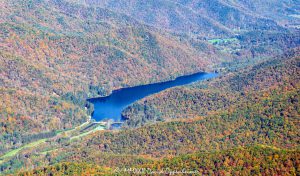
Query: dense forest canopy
[[56, 54]]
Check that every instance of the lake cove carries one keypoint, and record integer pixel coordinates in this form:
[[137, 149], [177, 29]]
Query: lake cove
[[110, 107]]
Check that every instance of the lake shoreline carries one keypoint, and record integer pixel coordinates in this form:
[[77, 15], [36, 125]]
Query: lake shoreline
[[165, 81], [109, 108]]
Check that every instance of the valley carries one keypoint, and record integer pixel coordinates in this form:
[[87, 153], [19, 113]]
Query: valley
[[71, 68]]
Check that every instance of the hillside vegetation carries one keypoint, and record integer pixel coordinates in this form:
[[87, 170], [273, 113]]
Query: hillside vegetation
[[276, 79], [256, 106], [56, 54], [208, 18], [238, 161]]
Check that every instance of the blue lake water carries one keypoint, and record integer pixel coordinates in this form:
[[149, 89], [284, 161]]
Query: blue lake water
[[111, 107]]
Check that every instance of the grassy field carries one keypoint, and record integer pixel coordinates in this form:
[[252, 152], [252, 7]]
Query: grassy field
[[68, 132], [100, 127], [15, 151], [219, 41]]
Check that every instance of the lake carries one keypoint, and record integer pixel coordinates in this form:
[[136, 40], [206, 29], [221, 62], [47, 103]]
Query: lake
[[111, 107]]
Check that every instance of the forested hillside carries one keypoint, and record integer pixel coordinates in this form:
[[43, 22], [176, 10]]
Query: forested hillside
[[55, 54], [228, 91], [208, 18], [284, 12], [238, 161], [256, 106]]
